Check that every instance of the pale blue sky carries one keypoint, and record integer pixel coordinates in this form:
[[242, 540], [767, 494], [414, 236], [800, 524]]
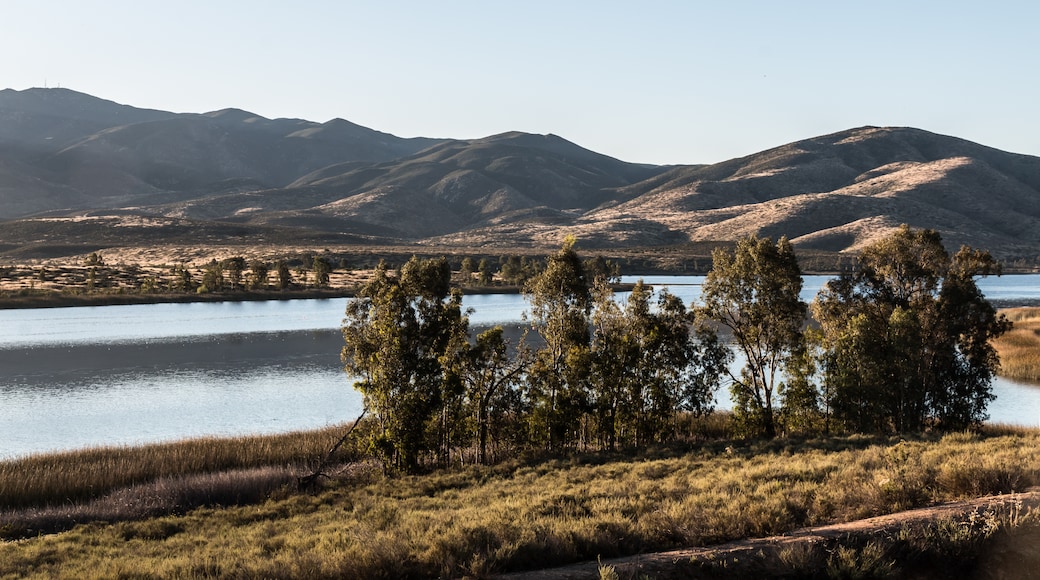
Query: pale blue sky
[[647, 81]]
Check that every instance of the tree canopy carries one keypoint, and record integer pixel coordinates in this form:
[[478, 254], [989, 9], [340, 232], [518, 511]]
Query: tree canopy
[[900, 343], [753, 292], [401, 335], [907, 336]]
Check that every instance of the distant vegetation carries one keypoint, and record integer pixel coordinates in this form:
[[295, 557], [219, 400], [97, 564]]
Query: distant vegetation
[[100, 277]]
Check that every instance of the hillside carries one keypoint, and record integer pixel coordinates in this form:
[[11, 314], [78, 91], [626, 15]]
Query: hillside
[[68, 151], [841, 191], [239, 177], [831, 193]]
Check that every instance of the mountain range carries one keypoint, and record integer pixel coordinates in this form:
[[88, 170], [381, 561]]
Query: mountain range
[[77, 171]]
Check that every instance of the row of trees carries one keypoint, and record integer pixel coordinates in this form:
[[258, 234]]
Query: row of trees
[[899, 343], [519, 270], [594, 373], [235, 273]]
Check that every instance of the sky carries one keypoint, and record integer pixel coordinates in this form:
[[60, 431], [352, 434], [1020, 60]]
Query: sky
[[663, 82]]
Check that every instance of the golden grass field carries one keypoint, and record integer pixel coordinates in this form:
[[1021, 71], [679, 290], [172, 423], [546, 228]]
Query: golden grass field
[[476, 521], [1019, 349]]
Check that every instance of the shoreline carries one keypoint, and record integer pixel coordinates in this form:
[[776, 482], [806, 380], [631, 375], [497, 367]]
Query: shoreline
[[59, 300]]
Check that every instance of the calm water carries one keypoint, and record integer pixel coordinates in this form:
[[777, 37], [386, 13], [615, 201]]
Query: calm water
[[86, 376]]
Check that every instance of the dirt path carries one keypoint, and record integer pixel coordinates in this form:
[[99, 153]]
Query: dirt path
[[662, 563]]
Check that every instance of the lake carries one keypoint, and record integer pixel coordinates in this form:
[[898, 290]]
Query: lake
[[106, 375]]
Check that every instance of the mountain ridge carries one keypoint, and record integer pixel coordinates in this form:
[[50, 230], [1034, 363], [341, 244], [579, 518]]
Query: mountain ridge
[[67, 153]]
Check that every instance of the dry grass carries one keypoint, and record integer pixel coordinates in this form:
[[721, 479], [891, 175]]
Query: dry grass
[[1019, 349], [482, 520], [79, 476], [158, 498]]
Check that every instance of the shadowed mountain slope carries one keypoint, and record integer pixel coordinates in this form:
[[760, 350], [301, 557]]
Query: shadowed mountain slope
[[66, 154], [82, 152], [834, 193]]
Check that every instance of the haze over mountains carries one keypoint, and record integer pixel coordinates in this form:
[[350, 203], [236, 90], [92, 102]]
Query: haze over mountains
[[73, 166]]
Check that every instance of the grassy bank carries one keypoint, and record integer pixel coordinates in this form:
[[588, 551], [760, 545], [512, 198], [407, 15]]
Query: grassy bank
[[534, 514], [1019, 349], [77, 476]]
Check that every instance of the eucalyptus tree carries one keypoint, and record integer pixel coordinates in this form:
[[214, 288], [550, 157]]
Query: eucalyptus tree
[[466, 270], [212, 277], [258, 278], [650, 362], [402, 338], [322, 267], [484, 274], [907, 336], [181, 279], [285, 279], [599, 267], [234, 266], [491, 375], [97, 271], [558, 381], [753, 293]]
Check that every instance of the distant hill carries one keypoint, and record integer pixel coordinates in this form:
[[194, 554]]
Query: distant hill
[[840, 191], [66, 154], [80, 152]]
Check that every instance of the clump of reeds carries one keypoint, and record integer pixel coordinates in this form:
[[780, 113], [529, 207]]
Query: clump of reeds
[[1019, 349]]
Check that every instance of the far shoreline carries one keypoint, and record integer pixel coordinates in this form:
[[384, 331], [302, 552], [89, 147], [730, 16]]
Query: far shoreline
[[60, 300], [15, 300]]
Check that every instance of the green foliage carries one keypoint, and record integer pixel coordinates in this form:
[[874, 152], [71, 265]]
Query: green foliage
[[97, 272], [491, 378], [466, 270], [285, 279], [402, 338], [557, 386], [599, 268], [212, 278], [753, 292], [803, 407], [322, 267], [647, 368], [907, 336], [181, 279], [484, 274], [234, 266], [258, 278], [517, 270]]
